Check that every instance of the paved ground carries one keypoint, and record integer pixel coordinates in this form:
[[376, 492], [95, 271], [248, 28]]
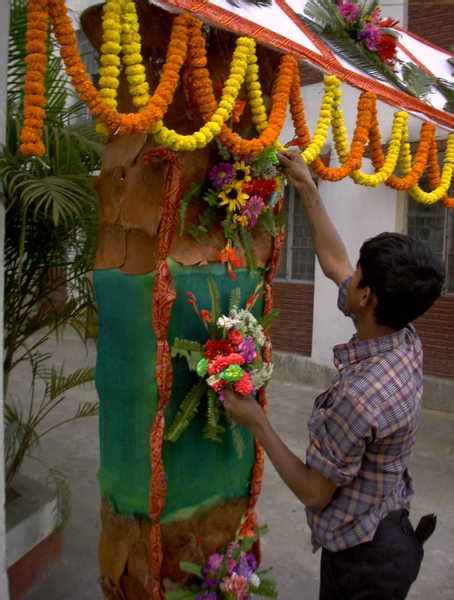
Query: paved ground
[[74, 450]]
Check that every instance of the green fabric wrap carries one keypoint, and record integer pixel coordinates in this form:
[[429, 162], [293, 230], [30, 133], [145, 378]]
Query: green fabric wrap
[[198, 471]]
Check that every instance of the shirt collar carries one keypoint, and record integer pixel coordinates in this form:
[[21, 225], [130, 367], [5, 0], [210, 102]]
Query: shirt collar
[[357, 350]]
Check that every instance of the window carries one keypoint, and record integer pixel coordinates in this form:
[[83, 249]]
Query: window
[[434, 225], [297, 257]]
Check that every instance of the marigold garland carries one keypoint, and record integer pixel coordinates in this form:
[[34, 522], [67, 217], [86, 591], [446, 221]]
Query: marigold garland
[[121, 35]]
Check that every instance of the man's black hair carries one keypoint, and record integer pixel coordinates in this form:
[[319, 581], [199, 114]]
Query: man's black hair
[[403, 273]]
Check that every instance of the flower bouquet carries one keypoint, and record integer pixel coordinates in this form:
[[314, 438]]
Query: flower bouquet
[[244, 192], [232, 355], [357, 31], [229, 575]]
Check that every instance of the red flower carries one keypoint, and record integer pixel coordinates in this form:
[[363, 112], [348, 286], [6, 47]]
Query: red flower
[[220, 363], [244, 386], [206, 315], [218, 385], [387, 49], [214, 348], [235, 337], [229, 256], [260, 187], [388, 22]]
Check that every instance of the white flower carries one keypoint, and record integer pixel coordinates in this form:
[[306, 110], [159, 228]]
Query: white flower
[[227, 323], [262, 376], [254, 580]]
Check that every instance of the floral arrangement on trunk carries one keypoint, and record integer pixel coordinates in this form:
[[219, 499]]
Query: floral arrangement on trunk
[[232, 355], [229, 575], [245, 192], [358, 31]]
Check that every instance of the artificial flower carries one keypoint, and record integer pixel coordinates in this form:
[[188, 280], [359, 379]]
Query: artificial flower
[[244, 386], [248, 349], [221, 363], [233, 373], [226, 322], [235, 585], [214, 347], [387, 49], [370, 35], [252, 210], [242, 221], [202, 367], [254, 580], [235, 337], [221, 174], [247, 565], [350, 11], [233, 197], [241, 172], [206, 315]]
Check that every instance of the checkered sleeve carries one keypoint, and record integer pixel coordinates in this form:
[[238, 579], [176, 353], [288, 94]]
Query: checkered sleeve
[[342, 297], [337, 439]]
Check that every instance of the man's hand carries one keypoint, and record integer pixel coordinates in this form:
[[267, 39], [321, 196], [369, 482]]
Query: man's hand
[[244, 410], [295, 169]]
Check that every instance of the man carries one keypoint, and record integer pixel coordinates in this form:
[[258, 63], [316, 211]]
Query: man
[[355, 482]]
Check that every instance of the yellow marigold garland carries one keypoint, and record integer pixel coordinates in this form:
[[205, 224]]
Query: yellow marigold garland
[[121, 34], [445, 180]]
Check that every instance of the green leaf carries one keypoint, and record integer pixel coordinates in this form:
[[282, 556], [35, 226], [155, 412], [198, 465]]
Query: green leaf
[[266, 320], [187, 411], [267, 588], [238, 441], [192, 568], [213, 430], [215, 299], [248, 246], [211, 198], [267, 220], [417, 80], [191, 351], [194, 190], [180, 595], [235, 298]]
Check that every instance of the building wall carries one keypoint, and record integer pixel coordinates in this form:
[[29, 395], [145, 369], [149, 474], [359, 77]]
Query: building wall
[[433, 21], [292, 329]]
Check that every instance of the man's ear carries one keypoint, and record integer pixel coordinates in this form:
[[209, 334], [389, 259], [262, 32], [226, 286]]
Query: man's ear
[[367, 297]]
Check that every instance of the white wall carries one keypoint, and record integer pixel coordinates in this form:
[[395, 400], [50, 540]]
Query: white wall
[[4, 28], [358, 212]]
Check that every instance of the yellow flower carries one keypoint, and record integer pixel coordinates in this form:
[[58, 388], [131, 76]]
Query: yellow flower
[[241, 172], [241, 220], [233, 197]]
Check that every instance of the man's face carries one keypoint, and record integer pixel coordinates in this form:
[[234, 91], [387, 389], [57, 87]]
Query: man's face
[[356, 296]]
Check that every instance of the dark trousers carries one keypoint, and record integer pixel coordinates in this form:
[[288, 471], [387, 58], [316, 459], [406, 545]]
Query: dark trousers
[[382, 569]]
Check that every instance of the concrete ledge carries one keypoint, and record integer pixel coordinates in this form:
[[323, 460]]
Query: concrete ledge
[[294, 368], [32, 542]]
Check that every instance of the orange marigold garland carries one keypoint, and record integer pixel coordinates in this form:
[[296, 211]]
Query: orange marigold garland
[[31, 142]]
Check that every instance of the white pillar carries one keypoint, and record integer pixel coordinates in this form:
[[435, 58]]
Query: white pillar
[[4, 30]]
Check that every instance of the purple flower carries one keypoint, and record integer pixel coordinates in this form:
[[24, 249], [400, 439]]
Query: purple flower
[[247, 349], [210, 571], [349, 11], [214, 562], [371, 36], [221, 174], [253, 209], [231, 566], [248, 565], [207, 596]]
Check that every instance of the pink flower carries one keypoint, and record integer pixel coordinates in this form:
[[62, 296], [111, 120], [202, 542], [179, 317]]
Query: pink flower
[[349, 11], [370, 36], [235, 585]]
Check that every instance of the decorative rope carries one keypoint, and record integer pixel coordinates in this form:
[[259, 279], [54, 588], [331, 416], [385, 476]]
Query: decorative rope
[[164, 295]]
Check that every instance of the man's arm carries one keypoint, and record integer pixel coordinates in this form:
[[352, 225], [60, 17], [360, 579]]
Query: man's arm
[[328, 245], [308, 485]]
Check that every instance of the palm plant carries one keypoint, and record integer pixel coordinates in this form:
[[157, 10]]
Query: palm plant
[[50, 237]]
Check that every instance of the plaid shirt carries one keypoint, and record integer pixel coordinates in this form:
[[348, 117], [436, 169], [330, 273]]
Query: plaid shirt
[[361, 433]]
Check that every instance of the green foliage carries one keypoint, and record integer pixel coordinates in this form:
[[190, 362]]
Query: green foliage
[[266, 320], [50, 242], [180, 594], [262, 3], [213, 430], [191, 351], [194, 190], [237, 437], [235, 298], [417, 80], [206, 222], [267, 588], [271, 222], [447, 89], [24, 428], [187, 411], [215, 299], [248, 246], [192, 568]]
